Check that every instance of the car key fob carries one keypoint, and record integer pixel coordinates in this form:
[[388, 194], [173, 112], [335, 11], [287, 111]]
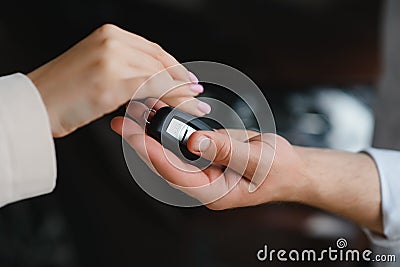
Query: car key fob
[[172, 128]]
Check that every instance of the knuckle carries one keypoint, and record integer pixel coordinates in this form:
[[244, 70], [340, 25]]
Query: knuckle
[[109, 45], [224, 150], [107, 30], [158, 51], [158, 66]]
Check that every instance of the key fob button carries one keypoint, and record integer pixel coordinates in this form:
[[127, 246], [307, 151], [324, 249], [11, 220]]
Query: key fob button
[[177, 129]]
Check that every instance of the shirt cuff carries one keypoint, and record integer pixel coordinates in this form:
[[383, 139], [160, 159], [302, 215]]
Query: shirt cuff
[[28, 155], [382, 241], [388, 165]]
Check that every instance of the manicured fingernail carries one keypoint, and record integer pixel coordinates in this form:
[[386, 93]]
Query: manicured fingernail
[[193, 78], [204, 107], [202, 144], [197, 88]]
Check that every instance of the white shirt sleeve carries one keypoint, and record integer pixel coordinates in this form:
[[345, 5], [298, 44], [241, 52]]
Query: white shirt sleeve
[[27, 154], [388, 164]]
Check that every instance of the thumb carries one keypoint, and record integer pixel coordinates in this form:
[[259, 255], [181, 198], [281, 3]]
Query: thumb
[[221, 149]]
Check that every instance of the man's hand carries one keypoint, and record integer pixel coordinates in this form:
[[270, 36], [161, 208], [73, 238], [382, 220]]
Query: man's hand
[[254, 168], [233, 148], [104, 71]]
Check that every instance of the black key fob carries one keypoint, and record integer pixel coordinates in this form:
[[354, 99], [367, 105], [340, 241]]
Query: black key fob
[[172, 128]]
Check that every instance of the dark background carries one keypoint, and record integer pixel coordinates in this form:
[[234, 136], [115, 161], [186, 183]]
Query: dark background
[[97, 215]]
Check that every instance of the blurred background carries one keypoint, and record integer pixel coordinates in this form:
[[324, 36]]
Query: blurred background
[[318, 64]]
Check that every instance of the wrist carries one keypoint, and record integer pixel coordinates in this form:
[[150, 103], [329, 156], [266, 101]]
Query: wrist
[[306, 185], [293, 170], [311, 172], [343, 183], [55, 126]]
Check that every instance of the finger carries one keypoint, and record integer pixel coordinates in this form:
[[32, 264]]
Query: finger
[[266, 157], [193, 78], [179, 89], [167, 164], [139, 63], [125, 126], [264, 146], [127, 129], [144, 64], [177, 70], [188, 104], [164, 162], [159, 85], [148, 84], [239, 134], [154, 103], [139, 112], [222, 149], [181, 176], [116, 124]]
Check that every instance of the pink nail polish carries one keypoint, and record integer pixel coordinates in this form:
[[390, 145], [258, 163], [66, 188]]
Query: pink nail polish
[[204, 107], [193, 78], [197, 88]]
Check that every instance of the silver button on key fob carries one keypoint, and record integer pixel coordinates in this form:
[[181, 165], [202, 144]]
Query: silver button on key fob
[[172, 128]]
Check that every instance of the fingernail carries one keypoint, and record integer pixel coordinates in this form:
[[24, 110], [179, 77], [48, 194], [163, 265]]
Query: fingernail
[[202, 144], [197, 88], [204, 107], [253, 187], [193, 78]]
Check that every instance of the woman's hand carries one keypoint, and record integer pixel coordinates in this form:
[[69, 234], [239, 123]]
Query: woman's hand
[[104, 71], [254, 168]]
